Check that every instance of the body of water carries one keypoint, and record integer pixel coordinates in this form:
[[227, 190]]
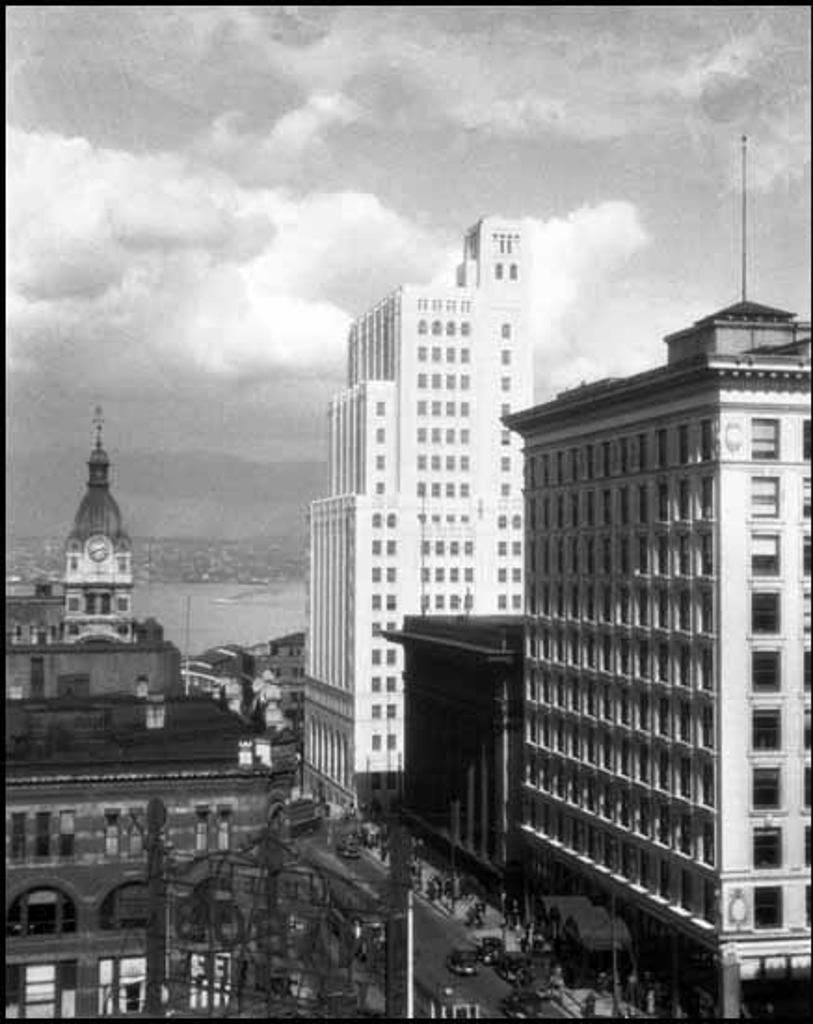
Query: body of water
[[222, 613]]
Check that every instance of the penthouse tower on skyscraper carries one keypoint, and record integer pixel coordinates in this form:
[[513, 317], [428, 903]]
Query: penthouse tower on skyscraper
[[424, 506]]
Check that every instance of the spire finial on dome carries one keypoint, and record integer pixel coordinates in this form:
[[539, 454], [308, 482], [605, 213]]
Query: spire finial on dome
[[98, 423]]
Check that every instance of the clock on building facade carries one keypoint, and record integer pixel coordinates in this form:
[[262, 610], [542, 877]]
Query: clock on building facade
[[98, 562]]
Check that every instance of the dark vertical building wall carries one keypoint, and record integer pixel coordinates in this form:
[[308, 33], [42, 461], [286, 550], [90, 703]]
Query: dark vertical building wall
[[463, 712]]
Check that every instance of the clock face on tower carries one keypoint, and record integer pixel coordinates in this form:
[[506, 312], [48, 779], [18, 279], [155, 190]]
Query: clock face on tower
[[98, 548]]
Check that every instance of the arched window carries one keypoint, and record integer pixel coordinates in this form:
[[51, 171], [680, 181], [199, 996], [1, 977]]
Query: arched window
[[437, 327], [41, 912], [421, 327], [124, 907], [512, 271]]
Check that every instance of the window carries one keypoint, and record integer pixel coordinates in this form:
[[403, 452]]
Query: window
[[765, 613], [662, 443], [41, 912], [18, 836], [41, 990], [766, 674], [202, 830], [706, 440], [376, 745], [683, 444], [224, 828], [122, 985], [765, 439], [765, 497], [766, 788], [765, 555], [392, 741], [66, 833], [766, 729], [505, 331], [42, 837], [767, 847], [767, 906], [498, 271]]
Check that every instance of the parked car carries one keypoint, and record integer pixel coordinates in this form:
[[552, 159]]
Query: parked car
[[491, 948], [462, 961], [523, 1005], [515, 968]]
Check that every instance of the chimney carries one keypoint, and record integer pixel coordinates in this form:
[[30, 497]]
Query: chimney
[[262, 751]]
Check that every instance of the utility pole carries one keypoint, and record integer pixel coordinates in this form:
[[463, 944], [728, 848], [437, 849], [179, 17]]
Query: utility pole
[[399, 977], [157, 902]]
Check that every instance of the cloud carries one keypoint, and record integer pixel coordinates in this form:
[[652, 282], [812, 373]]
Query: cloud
[[169, 263], [299, 135], [576, 263]]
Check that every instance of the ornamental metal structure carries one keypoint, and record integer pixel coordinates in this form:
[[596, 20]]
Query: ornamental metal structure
[[263, 932]]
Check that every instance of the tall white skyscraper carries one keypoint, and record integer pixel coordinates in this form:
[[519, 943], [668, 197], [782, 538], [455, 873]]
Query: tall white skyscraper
[[424, 510]]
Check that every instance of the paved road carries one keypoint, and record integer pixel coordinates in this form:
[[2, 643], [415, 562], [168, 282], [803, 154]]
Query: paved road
[[435, 934]]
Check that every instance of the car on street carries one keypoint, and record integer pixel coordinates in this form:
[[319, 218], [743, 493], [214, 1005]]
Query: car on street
[[349, 849], [515, 968], [523, 1005], [462, 961], [490, 949]]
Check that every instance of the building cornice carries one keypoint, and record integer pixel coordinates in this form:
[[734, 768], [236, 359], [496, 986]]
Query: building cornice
[[746, 372]]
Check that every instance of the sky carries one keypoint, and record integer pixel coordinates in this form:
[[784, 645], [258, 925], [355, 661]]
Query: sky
[[200, 199]]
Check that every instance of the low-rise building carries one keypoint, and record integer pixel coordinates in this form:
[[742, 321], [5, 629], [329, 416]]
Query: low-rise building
[[80, 775]]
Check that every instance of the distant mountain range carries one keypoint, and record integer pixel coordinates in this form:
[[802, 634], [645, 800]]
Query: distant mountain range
[[167, 494]]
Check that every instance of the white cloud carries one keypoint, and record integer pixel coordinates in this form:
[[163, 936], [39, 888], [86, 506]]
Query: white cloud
[[176, 265], [298, 135]]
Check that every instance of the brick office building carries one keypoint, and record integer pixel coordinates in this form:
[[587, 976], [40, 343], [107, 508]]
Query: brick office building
[[80, 773]]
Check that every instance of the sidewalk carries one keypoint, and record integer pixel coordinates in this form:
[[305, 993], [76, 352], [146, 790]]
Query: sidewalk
[[571, 1001]]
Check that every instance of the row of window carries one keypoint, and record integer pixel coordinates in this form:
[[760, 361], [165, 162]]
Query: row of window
[[633, 758], [437, 305], [674, 774], [671, 719], [391, 684], [622, 607], [438, 435], [98, 604], [437, 490], [376, 741], [436, 465], [436, 382], [664, 501], [657, 874], [54, 834], [681, 445], [454, 575], [656, 817], [436, 355], [640, 554], [437, 328], [48, 990], [376, 711], [438, 409], [643, 711], [381, 602]]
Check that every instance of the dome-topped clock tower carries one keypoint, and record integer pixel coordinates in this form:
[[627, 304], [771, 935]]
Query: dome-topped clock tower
[[98, 561]]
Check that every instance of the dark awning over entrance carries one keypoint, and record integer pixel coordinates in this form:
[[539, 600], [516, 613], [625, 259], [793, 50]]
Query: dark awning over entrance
[[588, 925]]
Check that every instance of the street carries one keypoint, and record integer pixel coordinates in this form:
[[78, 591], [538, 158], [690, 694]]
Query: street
[[435, 935]]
